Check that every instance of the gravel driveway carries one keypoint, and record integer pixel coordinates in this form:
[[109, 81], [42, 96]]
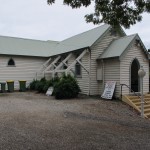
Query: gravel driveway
[[30, 121]]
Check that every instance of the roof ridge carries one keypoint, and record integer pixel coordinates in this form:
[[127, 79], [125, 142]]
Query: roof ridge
[[135, 34]]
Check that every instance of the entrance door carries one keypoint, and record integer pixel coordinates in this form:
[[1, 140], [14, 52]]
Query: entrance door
[[135, 83]]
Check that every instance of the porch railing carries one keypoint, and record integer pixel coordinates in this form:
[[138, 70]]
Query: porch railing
[[131, 90]]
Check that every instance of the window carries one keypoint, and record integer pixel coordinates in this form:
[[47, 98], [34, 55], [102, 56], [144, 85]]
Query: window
[[78, 70], [11, 62]]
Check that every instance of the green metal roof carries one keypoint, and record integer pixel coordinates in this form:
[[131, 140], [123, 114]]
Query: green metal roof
[[117, 47], [27, 47], [85, 39]]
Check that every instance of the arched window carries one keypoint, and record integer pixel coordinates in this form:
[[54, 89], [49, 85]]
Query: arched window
[[78, 70], [11, 62]]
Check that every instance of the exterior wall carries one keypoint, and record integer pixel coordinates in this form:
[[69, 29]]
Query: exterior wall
[[132, 53], [25, 68], [96, 50], [112, 73], [70, 61], [83, 81]]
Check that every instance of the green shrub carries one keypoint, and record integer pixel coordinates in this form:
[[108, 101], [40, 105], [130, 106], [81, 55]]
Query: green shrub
[[51, 82], [33, 84], [47, 85], [55, 80], [39, 86], [45, 88], [43, 79], [66, 87]]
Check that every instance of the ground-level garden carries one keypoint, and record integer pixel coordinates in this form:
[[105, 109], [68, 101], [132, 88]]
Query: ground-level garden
[[36, 122], [62, 87]]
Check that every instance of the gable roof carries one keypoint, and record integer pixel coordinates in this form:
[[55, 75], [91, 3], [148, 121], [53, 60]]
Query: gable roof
[[27, 47], [85, 39], [117, 47]]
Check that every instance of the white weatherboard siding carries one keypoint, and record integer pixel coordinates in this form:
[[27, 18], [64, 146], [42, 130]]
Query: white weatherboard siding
[[134, 52], [96, 50], [25, 68], [112, 73], [70, 61], [83, 81]]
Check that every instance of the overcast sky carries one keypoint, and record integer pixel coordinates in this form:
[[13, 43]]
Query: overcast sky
[[34, 19]]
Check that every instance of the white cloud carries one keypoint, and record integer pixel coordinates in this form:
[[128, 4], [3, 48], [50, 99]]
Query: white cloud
[[35, 19]]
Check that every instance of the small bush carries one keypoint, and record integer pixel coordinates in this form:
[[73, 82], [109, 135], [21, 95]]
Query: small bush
[[33, 84], [43, 85], [43, 79], [66, 87], [40, 85], [47, 85], [55, 80]]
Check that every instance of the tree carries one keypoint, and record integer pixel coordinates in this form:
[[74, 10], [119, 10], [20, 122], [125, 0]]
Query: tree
[[113, 12]]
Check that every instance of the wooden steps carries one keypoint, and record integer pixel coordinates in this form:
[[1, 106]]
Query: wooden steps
[[135, 102]]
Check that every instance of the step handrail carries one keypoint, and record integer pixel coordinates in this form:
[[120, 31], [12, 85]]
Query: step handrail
[[131, 90]]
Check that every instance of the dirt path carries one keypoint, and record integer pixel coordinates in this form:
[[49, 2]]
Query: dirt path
[[30, 121]]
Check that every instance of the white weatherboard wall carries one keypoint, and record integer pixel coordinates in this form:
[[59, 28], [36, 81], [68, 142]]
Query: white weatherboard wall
[[25, 68], [96, 50], [83, 81], [112, 73], [134, 52]]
